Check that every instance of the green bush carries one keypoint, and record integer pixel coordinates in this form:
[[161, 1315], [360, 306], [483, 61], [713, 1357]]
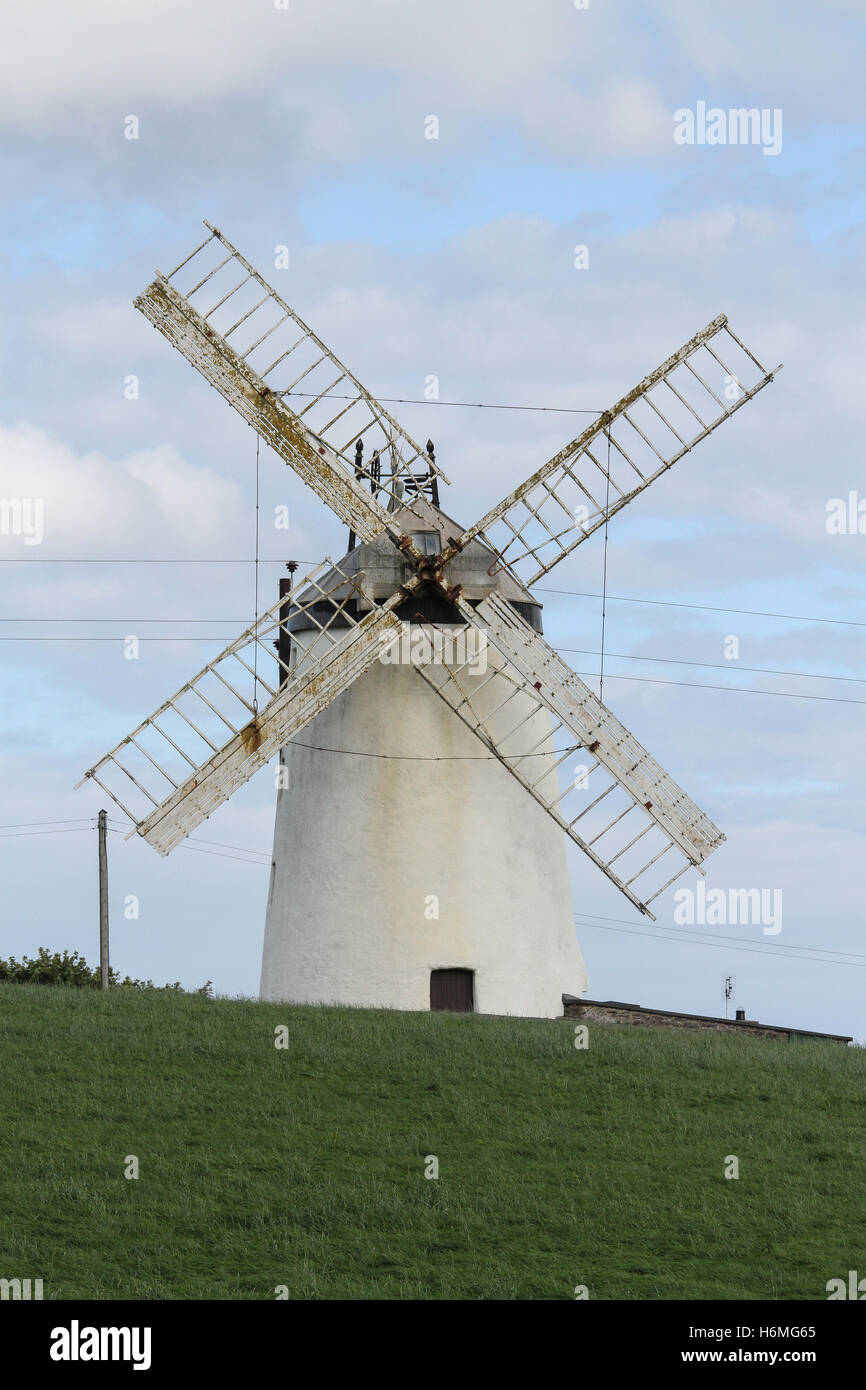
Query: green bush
[[61, 968]]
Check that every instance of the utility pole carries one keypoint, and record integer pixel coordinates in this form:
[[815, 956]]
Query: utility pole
[[103, 903]]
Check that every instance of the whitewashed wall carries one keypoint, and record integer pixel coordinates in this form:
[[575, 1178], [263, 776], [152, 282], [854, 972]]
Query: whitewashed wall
[[363, 845]]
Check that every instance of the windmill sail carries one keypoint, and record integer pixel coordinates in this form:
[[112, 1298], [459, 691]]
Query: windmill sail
[[287, 384], [213, 726], [621, 808], [702, 384], [529, 709]]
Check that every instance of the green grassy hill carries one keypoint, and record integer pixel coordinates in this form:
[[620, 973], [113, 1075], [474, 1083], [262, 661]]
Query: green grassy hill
[[305, 1167]]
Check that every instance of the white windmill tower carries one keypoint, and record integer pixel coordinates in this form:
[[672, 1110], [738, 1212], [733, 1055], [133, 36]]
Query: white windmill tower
[[428, 734]]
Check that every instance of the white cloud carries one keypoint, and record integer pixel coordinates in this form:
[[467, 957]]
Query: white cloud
[[342, 72], [94, 505]]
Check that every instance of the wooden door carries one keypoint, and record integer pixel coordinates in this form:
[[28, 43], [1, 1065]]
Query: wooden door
[[452, 990]]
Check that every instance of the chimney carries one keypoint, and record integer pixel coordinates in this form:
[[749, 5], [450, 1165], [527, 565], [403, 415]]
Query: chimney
[[741, 1016]]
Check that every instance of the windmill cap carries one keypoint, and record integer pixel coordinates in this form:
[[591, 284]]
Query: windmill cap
[[385, 569]]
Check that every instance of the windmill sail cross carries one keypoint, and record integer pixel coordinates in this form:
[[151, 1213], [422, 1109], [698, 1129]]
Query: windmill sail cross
[[531, 711]]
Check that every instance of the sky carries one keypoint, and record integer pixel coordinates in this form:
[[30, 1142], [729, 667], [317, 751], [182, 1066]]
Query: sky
[[307, 125]]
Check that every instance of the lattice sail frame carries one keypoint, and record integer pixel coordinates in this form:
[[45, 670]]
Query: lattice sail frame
[[641, 437], [648, 808], [189, 729], [216, 306], [631, 445]]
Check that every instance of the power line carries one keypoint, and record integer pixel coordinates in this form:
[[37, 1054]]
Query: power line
[[18, 834], [751, 950], [467, 405], [540, 588], [118, 637], [256, 597], [604, 574], [237, 621], [218, 854], [731, 689], [25, 824], [818, 955], [140, 560], [716, 936], [215, 852], [424, 758], [574, 593], [432, 757], [577, 651], [704, 607], [220, 844], [716, 665], [618, 676]]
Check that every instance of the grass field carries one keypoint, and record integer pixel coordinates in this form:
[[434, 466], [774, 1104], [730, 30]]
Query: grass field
[[304, 1167]]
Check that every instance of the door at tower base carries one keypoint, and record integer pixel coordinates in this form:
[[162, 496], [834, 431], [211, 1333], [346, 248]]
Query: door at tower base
[[386, 868], [452, 991]]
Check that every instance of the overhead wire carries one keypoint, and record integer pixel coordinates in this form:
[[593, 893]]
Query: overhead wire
[[25, 824], [574, 593], [19, 834], [256, 593], [701, 607], [120, 828], [604, 574], [818, 955], [219, 854], [787, 954], [467, 405], [730, 689], [687, 935], [595, 918], [733, 666]]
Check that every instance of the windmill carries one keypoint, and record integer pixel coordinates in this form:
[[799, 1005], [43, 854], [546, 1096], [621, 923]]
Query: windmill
[[435, 752]]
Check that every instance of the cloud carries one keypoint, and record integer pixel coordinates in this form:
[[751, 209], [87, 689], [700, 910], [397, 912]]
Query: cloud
[[559, 77], [94, 505]]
